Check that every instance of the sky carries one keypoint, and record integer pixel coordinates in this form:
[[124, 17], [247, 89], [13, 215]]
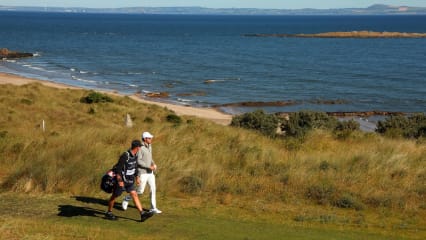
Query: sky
[[277, 4]]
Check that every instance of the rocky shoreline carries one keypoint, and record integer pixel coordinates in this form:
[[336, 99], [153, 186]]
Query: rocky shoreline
[[280, 103], [366, 114], [361, 114], [352, 34], [7, 54]]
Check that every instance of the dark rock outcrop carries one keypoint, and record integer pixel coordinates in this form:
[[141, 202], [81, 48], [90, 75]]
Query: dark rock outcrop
[[7, 54], [157, 95], [258, 104], [365, 114]]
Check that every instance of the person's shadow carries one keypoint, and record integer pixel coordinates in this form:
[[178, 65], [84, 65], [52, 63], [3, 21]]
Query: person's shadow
[[75, 211]]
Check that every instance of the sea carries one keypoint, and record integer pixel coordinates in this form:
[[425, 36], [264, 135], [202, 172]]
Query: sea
[[208, 61]]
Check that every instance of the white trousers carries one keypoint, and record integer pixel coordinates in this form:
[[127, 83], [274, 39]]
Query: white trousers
[[150, 179]]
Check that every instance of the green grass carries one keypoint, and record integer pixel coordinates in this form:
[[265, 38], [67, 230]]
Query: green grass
[[81, 217], [218, 180]]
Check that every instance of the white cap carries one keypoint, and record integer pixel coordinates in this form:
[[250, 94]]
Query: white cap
[[147, 135]]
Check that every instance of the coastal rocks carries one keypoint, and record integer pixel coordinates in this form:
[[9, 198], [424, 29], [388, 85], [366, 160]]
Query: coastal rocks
[[365, 114], [352, 34], [191, 94], [7, 54], [282, 103], [157, 94], [258, 104]]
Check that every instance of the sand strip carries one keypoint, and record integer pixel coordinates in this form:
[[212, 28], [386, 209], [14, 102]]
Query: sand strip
[[205, 113]]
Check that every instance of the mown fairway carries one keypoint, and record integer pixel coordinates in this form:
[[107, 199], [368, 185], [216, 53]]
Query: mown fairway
[[81, 217]]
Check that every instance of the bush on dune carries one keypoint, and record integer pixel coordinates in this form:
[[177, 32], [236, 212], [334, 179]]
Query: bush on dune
[[96, 97], [413, 126], [257, 120], [300, 123]]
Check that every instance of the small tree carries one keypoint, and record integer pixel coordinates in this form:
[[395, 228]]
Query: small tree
[[410, 127], [299, 123], [257, 120], [345, 128]]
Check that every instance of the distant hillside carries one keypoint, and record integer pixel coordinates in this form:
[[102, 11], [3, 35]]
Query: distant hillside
[[377, 9]]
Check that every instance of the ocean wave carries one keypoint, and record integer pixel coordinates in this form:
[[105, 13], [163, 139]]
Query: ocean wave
[[221, 80], [213, 80], [82, 80], [184, 100], [146, 91], [81, 71], [35, 67]]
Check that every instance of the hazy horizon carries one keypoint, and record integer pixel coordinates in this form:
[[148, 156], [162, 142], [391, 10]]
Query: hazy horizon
[[261, 4]]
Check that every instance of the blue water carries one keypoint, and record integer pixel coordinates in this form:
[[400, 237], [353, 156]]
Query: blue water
[[177, 54]]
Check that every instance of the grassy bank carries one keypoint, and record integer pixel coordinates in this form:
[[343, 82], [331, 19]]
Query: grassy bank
[[361, 184]]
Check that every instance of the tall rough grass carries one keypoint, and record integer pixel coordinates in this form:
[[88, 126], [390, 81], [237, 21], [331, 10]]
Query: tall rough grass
[[199, 159]]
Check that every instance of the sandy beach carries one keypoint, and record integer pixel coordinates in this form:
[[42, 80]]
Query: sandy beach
[[205, 113]]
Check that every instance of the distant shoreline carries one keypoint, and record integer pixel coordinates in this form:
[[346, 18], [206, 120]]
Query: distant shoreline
[[376, 9]]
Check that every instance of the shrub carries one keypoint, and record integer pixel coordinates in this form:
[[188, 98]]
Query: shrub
[[324, 166], [148, 120], [350, 125], [92, 110], [257, 120], [413, 126], [26, 101], [222, 187], [299, 123], [190, 184], [3, 134], [321, 193], [345, 128], [17, 147], [173, 118], [348, 201], [95, 97], [285, 178], [418, 123]]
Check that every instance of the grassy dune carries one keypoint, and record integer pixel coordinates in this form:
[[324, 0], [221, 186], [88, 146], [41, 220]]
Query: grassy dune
[[209, 176]]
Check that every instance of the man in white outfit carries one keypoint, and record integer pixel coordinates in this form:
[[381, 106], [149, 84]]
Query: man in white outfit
[[146, 168]]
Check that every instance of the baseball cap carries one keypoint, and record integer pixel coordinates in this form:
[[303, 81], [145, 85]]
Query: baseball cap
[[147, 135]]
